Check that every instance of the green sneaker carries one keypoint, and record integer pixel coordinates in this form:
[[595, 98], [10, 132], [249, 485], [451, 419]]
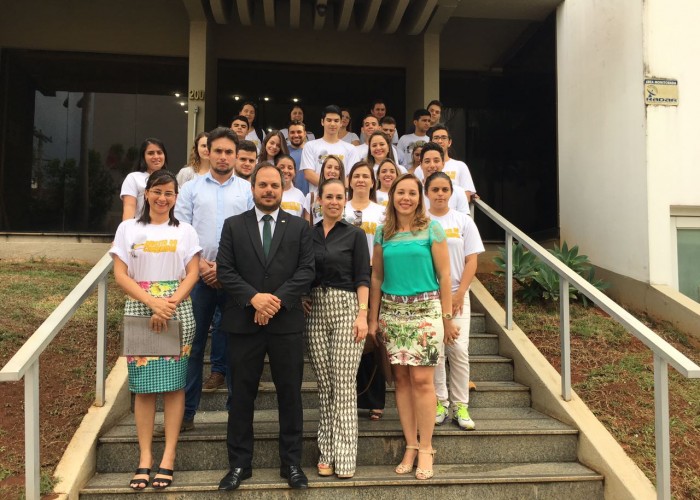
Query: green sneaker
[[461, 417], [440, 413]]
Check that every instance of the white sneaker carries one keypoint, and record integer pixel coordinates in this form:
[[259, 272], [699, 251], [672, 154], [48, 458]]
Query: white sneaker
[[461, 417], [441, 413]]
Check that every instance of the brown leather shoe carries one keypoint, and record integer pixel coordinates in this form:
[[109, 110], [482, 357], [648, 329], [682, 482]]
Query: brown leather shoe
[[215, 381], [472, 386]]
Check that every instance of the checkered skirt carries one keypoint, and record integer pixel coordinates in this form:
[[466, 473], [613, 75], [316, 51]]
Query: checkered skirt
[[151, 374]]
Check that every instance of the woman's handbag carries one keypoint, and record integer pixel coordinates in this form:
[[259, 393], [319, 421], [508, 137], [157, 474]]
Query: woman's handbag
[[139, 340]]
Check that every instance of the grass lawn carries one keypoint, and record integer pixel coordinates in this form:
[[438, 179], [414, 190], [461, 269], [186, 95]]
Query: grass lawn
[[30, 291], [613, 373]]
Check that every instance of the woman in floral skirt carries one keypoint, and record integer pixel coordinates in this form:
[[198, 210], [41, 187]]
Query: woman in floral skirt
[[156, 263], [413, 312]]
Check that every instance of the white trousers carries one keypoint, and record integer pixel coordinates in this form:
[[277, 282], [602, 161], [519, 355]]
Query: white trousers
[[458, 355]]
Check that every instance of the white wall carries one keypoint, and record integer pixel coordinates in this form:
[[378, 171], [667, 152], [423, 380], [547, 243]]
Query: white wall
[[601, 114], [672, 44]]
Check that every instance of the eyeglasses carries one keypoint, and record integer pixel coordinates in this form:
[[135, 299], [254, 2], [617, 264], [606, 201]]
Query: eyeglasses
[[158, 193], [440, 137]]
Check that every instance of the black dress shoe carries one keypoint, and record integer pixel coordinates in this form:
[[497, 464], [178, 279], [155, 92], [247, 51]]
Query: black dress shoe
[[233, 479], [295, 476]]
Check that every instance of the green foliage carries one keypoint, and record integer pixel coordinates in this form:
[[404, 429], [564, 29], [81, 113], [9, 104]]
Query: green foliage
[[538, 281]]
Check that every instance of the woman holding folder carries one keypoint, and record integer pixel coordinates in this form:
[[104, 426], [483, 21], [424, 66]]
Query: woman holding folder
[[156, 263]]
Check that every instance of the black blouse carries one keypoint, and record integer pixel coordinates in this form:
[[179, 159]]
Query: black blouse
[[342, 257]]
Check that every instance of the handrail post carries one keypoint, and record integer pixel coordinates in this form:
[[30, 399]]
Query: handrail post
[[509, 281], [101, 362], [661, 429], [32, 462], [565, 336]]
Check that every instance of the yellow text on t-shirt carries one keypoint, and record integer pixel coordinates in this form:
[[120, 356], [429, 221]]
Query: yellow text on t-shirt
[[293, 206], [158, 246], [452, 232]]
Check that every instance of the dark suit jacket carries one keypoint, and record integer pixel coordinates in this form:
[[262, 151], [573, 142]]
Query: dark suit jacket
[[243, 270]]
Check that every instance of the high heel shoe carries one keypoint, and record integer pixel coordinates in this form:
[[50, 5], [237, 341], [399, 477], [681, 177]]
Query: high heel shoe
[[407, 468], [325, 470], [138, 484], [425, 473]]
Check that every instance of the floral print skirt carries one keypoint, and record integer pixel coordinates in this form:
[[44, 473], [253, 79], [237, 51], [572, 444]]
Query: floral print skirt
[[149, 374], [412, 329]]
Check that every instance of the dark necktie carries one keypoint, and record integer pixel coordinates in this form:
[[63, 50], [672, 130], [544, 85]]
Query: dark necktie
[[267, 233]]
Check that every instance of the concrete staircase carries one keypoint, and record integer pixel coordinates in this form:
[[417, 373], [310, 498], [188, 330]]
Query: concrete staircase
[[515, 451]]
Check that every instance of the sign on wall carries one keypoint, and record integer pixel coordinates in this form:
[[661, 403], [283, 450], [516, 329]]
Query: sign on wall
[[660, 92]]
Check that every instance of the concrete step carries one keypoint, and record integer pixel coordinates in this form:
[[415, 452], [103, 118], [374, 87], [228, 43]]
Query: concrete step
[[477, 327], [502, 481], [482, 367], [487, 394], [516, 435]]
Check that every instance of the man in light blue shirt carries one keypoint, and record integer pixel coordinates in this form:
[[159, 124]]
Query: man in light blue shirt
[[206, 202]]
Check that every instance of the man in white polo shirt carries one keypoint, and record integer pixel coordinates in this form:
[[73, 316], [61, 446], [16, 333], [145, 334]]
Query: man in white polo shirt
[[316, 151]]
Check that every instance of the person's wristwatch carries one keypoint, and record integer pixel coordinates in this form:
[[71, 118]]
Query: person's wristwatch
[[446, 315], [363, 307]]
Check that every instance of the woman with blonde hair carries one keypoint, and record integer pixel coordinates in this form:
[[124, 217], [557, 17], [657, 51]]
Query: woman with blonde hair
[[198, 163], [413, 313]]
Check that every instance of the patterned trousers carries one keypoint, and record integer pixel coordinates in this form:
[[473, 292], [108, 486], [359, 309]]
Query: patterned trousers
[[458, 355], [335, 357]]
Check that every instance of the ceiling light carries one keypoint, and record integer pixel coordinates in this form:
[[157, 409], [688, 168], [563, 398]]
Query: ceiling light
[[236, 98], [296, 99], [182, 103], [266, 99], [177, 94]]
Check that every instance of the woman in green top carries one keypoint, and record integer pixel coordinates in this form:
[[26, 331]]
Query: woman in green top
[[411, 283]]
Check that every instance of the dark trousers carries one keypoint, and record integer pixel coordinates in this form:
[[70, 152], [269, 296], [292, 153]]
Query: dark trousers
[[246, 355], [371, 384]]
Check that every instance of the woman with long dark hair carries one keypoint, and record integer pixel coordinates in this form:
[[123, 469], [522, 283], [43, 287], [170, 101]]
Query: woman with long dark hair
[[273, 145], [464, 245], [362, 211], [156, 263], [332, 168], [152, 157], [345, 132]]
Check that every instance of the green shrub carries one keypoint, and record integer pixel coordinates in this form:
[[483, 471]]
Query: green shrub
[[538, 281]]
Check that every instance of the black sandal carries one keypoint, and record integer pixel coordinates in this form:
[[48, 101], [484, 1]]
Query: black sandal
[[164, 482], [135, 483], [375, 415]]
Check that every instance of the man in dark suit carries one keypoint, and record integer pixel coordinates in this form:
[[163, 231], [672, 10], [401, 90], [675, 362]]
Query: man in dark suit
[[265, 263]]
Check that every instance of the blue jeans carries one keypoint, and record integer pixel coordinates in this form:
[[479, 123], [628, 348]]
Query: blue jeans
[[217, 356], [206, 301]]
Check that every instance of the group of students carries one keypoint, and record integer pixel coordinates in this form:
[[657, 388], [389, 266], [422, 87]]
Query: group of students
[[366, 228]]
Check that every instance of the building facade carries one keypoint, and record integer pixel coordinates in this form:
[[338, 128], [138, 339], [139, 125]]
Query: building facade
[[545, 99]]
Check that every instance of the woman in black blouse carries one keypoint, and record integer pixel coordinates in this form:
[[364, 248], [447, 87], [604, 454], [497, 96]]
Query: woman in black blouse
[[336, 328]]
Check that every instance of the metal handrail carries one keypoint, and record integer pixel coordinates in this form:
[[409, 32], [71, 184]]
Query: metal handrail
[[664, 353], [25, 363]]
